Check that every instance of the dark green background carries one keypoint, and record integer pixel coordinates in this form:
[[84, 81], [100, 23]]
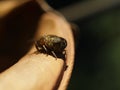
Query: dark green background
[[97, 63]]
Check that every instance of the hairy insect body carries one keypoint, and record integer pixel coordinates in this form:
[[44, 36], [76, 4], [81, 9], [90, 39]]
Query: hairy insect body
[[51, 44]]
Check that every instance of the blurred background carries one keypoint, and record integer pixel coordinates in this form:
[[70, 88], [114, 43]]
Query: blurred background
[[97, 59]]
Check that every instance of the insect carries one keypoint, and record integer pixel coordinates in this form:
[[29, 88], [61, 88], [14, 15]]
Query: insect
[[52, 44]]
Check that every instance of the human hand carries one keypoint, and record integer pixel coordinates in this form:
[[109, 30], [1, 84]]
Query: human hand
[[37, 71]]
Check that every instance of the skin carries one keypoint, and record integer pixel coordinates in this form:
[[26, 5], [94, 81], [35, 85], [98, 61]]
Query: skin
[[38, 71]]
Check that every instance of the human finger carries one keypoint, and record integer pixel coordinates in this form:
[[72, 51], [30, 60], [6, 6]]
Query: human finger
[[42, 69]]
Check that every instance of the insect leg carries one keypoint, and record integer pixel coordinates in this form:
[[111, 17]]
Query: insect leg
[[37, 47], [45, 48], [54, 54], [64, 52]]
